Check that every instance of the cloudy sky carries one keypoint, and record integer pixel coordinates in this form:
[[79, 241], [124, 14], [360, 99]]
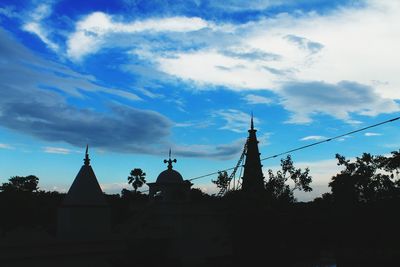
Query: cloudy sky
[[133, 78]]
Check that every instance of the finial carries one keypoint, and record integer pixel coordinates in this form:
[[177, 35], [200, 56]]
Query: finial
[[169, 161], [252, 123], [87, 160]]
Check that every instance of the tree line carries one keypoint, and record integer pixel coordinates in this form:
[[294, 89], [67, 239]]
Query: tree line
[[366, 179]]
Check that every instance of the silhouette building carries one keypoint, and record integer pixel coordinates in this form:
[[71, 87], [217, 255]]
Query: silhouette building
[[84, 212], [170, 185], [253, 178]]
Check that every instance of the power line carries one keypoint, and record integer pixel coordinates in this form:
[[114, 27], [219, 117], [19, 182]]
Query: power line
[[332, 138], [211, 174], [306, 146]]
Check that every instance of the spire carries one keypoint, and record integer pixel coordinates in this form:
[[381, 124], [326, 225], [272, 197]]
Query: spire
[[252, 123], [87, 160], [252, 130], [85, 189], [253, 178], [169, 161]]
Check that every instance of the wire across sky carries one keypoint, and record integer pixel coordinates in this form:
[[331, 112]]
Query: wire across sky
[[307, 146]]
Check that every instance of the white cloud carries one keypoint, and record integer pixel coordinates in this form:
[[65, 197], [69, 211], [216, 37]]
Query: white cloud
[[313, 137], [263, 139], [34, 25], [90, 32], [37, 29], [238, 5], [212, 67], [372, 134], [353, 44], [340, 45], [6, 146], [257, 99], [194, 124], [116, 188], [208, 188], [235, 120], [56, 150], [358, 45]]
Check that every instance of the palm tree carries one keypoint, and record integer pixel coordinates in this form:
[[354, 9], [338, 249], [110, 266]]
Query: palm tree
[[137, 178]]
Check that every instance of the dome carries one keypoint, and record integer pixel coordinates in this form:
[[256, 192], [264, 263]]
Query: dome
[[169, 176]]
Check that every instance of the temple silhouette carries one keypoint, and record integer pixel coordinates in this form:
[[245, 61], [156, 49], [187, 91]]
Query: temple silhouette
[[84, 212], [253, 177], [170, 185]]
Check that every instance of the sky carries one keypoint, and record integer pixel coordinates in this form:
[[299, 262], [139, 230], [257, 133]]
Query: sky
[[134, 78]]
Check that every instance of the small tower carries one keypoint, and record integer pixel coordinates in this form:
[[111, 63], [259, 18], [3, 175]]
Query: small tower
[[170, 185], [84, 212], [253, 178]]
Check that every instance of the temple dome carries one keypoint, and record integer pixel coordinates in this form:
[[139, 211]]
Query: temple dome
[[169, 176]]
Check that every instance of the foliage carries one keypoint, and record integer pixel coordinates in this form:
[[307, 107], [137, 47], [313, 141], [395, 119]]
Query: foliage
[[277, 186], [392, 164], [197, 194], [137, 178], [222, 180], [21, 184], [125, 193], [368, 178]]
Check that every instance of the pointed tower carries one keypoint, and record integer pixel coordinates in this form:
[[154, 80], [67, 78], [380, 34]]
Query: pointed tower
[[84, 213], [253, 178]]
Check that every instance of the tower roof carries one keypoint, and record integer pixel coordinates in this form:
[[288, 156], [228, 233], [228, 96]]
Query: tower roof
[[169, 175], [253, 178], [85, 190]]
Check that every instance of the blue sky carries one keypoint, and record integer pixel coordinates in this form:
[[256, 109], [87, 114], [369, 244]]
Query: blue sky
[[135, 78]]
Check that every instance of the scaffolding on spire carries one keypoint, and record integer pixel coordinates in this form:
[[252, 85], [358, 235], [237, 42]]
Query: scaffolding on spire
[[253, 178]]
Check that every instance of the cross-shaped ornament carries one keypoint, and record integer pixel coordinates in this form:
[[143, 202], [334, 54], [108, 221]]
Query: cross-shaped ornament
[[169, 161]]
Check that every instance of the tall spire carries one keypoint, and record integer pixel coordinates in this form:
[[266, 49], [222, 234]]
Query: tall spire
[[169, 161], [252, 123], [253, 178], [87, 160]]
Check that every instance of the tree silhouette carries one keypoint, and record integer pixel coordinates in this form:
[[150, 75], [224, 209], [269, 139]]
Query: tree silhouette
[[125, 193], [21, 184], [277, 187], [368, 178], [392, 164], [196, 194], [222, 180], [137, 178]]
